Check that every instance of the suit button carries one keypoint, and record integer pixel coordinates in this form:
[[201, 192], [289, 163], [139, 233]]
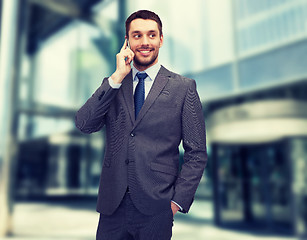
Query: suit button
[[127, 161], [132, 134]]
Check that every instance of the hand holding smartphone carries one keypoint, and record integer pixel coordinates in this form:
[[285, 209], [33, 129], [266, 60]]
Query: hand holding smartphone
[[123, 60]]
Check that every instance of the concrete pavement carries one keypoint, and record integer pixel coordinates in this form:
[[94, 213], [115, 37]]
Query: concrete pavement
[[75, 220]]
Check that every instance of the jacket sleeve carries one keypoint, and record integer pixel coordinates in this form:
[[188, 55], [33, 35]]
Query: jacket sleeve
[[194, 144], [91, 116]]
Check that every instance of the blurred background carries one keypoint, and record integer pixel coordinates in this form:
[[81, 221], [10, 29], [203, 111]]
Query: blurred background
[[248, 58]]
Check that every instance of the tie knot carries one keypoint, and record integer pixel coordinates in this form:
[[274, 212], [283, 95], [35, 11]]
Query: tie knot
[[141, 76]]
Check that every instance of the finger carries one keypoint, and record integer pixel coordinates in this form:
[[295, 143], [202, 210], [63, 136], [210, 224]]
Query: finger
[[126, 54], [129, 59], [127, 51], [131, 56], [125, 45], [130, 51]]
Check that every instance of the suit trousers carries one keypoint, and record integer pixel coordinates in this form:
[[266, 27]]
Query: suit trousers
[[128, 223]]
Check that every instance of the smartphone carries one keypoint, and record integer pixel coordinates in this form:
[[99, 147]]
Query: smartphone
[[128, 46]]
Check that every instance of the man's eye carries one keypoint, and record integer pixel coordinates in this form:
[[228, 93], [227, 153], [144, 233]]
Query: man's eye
[[136, 36], [152, 35]]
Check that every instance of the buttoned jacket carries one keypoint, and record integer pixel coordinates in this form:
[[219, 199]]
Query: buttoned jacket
[[143, 153]]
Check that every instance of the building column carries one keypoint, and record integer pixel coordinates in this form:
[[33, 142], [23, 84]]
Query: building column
[[8, 98], [216, 185], [297, 154]]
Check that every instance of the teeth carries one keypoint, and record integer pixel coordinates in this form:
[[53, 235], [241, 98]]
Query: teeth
[[145, 51]]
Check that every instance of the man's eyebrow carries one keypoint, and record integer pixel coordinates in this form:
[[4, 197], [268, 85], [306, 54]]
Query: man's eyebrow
[[150, 31], [136, 32]]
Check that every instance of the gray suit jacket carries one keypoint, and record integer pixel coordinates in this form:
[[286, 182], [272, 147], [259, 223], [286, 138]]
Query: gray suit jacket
[[143, 153]]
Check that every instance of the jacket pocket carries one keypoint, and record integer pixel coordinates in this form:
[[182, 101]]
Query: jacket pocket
[[163, 168]]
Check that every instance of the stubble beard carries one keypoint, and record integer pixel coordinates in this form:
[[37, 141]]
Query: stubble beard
[[145, 63]]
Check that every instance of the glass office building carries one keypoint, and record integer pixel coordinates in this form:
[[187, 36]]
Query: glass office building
[[249, 61], [256, 117]]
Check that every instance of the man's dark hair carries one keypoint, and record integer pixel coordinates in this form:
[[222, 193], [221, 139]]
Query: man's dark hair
[[143, 14]]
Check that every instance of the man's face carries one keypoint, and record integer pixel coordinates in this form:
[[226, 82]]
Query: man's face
[[145, 41]]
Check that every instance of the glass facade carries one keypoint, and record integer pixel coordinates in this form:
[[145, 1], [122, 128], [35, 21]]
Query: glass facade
[[266, 47], [276, 66], [218, 79], [67, 69], [261, 24]]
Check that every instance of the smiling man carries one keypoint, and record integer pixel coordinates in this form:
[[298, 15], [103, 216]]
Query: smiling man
[[145, 42], [147, 110]]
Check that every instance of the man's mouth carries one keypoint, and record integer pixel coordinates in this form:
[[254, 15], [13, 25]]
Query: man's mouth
[[144, 52]]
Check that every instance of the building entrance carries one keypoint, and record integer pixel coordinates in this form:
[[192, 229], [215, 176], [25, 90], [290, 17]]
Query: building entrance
[[252, 186]]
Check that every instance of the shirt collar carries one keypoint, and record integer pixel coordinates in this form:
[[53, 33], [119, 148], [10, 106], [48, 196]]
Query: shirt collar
[[152, 72]]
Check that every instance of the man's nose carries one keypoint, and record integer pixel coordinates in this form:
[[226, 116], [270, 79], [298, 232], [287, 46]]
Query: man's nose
[[145, 40]]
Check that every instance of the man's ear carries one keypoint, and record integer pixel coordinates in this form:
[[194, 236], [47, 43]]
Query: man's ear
[[161, 40]]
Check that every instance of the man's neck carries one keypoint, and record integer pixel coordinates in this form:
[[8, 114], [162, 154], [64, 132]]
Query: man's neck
[[143, 68]]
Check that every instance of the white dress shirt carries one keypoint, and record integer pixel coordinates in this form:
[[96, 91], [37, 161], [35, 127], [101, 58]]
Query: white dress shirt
[[152, 72]]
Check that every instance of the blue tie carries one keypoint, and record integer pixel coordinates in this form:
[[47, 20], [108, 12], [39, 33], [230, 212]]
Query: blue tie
[[139, 94]]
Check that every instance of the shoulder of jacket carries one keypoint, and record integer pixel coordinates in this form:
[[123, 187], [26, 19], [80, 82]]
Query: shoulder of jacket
[[179, 77]]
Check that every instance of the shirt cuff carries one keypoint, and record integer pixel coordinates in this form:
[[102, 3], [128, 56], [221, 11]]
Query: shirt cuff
[[112, 84], [178, 205]]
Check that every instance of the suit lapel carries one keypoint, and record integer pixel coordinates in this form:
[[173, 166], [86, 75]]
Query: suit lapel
[[158, 85], [127, 90]]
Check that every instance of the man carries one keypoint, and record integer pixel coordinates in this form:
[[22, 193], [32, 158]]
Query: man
[[147, 111]]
